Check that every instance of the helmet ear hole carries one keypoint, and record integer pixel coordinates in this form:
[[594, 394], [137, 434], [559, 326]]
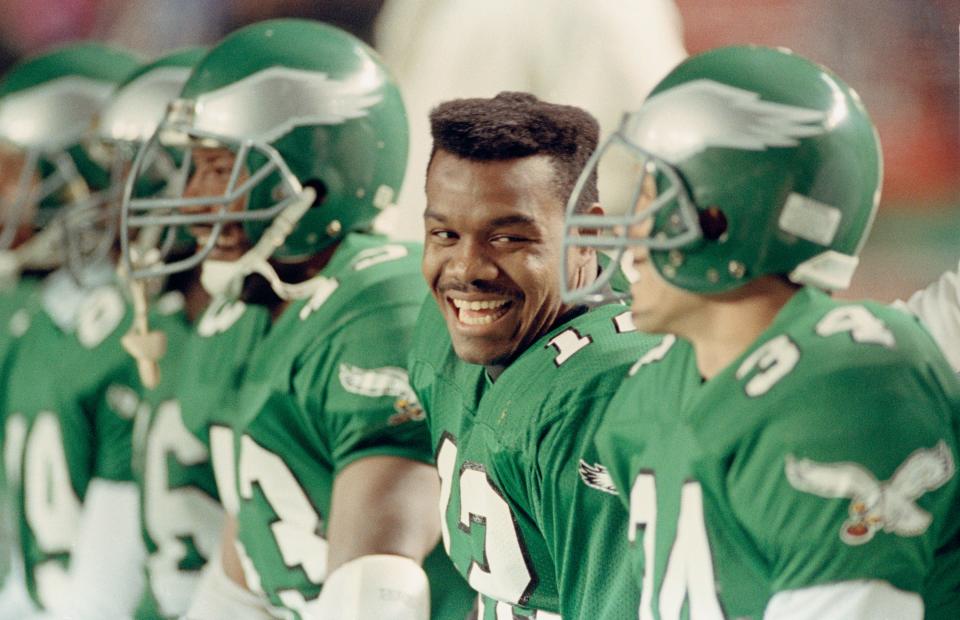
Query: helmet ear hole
[[713, 223], [320, 191]]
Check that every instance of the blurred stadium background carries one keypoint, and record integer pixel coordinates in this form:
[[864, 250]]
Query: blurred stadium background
[[902, 56]]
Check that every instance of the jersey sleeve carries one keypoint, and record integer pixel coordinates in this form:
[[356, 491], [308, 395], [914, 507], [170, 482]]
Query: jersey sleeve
[[854, 481], [356, 389]]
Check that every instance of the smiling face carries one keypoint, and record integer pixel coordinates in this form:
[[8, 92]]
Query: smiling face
[[211, 175], [492, 253]]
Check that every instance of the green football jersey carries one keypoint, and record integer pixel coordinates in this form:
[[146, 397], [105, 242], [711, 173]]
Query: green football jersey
[[527, 508], [325, 388], [18, 302], [70, 401], [825, 453], [180, 512]]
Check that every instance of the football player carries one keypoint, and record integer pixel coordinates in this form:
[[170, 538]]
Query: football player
[[67, 418], [298, 138], [793, 456], [25, 258], [180, 518], [17, 297], [511, 377]]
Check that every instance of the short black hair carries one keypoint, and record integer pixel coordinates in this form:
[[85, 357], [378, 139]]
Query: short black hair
[[514, 125]]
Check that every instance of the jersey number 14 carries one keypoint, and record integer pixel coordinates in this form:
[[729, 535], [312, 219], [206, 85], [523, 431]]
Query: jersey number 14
[[689, 574]]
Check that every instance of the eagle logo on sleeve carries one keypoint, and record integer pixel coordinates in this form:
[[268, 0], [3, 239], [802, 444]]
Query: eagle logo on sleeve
[[385, 381], [597, 477], [890, 505]]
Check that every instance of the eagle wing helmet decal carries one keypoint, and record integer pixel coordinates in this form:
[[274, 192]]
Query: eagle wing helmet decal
[[891, 505], [281, 98], [680, 122]]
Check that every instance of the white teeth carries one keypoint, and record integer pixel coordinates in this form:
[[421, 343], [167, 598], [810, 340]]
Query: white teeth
[[477, 320], [480, 312], [491, 304]]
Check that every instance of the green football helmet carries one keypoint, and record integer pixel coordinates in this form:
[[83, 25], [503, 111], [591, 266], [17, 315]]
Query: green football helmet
[[126, 121], [749, 161], [317, 125], [48, 106]]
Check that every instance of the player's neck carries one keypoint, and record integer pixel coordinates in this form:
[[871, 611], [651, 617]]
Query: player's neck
[[730, 323]]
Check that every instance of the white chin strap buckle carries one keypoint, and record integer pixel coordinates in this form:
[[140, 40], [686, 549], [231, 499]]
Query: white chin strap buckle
[[223, 279]]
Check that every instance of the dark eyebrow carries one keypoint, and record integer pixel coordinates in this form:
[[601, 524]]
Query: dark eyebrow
[[430, 214], [512, 220], [507, 220]]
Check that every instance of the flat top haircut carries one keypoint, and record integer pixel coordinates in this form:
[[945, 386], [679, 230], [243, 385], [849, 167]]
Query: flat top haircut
[[514, 125]]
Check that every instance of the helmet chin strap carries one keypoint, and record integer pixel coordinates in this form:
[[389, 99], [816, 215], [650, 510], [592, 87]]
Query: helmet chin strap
[[225, 278]]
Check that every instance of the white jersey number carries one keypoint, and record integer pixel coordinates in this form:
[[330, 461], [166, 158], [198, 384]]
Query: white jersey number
[[862, 326], [505, 611], [689, 575], [776, 358], [297, 524], [482, 503], [568, 343], [225, 473], [772, 361], [175, 515], [51, 506], [15, 436]]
